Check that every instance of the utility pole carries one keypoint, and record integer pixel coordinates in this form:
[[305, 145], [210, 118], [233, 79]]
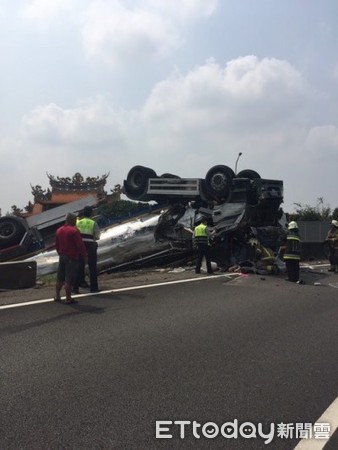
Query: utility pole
[[239, 155]]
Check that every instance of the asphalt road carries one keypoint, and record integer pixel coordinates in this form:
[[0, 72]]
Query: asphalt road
[[99, 374]]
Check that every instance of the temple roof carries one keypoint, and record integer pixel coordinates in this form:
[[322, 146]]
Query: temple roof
[[65, 190], [77, 183]]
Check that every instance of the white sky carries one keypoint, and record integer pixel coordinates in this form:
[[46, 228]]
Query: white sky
[[98, 86]]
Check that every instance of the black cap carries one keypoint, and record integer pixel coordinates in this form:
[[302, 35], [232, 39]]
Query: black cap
[[71, 217], [87, 211]]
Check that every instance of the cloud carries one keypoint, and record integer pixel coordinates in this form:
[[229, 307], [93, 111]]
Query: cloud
[[323, 140], [335, 71], [88, 138], [117, 35], [92, 123], [44, 11], [184, 10], [248, 97], [239, 107], [207, 116], [120, 36], [189, 123]]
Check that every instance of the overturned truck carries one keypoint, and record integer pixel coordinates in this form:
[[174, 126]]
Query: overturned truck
[[21, 236], [244, 210]]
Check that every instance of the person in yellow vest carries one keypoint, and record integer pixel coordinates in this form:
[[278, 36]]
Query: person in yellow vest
[[292, 252], [202, 246], [90, 233], [332, 239]]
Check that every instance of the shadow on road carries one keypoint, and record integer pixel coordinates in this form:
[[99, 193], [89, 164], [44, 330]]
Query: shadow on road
[[70, 312]]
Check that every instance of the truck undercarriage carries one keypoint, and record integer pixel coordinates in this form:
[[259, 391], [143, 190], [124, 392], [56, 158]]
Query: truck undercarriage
[[243, 210]]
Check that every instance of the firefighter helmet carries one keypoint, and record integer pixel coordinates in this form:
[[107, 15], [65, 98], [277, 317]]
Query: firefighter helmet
[[292, 226]]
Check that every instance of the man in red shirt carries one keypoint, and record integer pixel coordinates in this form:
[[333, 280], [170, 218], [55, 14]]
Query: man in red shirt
[[69, 246]]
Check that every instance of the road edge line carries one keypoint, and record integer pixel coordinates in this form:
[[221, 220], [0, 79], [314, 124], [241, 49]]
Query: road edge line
[[112, 291], [330, 415]]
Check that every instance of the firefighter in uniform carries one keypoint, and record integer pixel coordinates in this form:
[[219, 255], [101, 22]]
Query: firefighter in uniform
[[90, 234], [264, 257], [202, 246], [292, 252], [332, 239]]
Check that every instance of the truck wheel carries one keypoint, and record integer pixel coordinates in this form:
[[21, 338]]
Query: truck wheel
[[137, 179], [218, 181], [11, 231], [137, 196], [248, 173]]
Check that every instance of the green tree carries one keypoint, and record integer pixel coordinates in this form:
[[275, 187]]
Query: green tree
[[334, 214], [319, 212], [122, 208]]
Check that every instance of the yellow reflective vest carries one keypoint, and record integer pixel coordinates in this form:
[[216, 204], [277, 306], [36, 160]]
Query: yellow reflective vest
[[292, 250], [86, 227], [201, 235]]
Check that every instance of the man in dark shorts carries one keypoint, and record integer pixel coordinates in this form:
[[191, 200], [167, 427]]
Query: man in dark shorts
[[70, 247]]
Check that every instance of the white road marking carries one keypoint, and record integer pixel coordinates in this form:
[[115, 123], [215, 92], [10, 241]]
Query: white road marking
[[112, 291], [329, 416]]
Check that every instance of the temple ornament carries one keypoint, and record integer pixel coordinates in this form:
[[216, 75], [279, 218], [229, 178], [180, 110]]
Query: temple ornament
[[78, 183]]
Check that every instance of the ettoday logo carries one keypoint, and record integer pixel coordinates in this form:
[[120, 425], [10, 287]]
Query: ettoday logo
[[187, 429], [211, 430]]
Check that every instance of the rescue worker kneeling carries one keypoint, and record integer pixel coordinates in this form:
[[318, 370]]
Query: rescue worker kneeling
[[202, 245], [265, 259]]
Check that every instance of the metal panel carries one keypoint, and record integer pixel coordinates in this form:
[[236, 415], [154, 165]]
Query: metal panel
[[189, 187], [313, 231], [56, 215]]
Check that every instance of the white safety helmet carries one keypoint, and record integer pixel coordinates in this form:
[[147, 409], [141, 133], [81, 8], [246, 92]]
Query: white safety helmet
[[292, 226], [253, 242], [334, 223]]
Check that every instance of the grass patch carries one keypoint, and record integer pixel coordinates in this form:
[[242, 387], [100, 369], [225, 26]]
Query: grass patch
[[48, 279]]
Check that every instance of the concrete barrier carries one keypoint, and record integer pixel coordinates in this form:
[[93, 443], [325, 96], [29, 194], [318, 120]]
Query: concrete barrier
[[17, 274]]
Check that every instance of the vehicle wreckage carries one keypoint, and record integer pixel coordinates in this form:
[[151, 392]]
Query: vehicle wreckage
[[243, 210], [20, 236]]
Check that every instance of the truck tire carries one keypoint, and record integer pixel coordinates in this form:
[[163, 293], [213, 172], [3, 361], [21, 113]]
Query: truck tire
[[132, 195], [218, 182], [11, 231], [248, 173], [137, 180]]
